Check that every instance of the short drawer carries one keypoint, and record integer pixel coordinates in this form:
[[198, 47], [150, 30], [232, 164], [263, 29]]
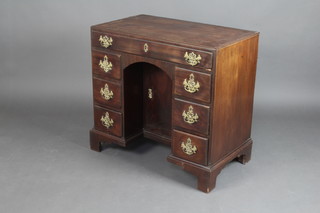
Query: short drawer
[[106, 93], [192, 84], [106, 64], [191, 116], [190, 147], [108, 121], [158, 50]]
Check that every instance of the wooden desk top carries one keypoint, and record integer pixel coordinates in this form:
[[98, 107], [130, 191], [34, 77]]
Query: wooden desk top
[[174, 31]]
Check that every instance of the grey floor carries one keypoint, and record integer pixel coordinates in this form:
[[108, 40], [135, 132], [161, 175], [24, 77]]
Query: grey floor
[[46, 166]]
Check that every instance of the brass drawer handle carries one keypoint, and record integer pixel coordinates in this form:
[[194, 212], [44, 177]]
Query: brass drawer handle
[[190, 85], [192, 58], [105, 64], [105, 41], [106, 120], [106, 93], [188, 148], [190, 117]]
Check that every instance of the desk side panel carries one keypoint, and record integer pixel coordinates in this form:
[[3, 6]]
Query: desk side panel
[[233, 97]]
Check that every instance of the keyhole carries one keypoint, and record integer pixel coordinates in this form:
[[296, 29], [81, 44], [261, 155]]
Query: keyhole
[[145, 47], [150, 93]]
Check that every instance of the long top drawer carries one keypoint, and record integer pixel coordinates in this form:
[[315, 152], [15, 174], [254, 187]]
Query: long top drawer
[[157, 50]]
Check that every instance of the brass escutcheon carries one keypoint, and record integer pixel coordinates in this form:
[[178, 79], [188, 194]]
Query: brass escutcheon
[[188, 148], [192, 58], [105, 64], [150, 93], [190, 85], [106, 120], [145, 47], [190, 117], [106, 93], [105, 41]]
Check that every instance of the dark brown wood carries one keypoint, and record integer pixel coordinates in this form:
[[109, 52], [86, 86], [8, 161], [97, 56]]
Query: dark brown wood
[[200, 156], [157, 104], [233, 97], [223, 103], [156, 137], [141, 112], [95, 141], [156, 50], [115, 101], [176, 32], [133, 99], [116, 129], [207, 175], [113, 58], [135, 93], [204, 93], [129, 59], [97, 138], [201, 126]]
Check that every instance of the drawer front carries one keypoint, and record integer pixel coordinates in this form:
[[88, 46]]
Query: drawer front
[[192, 84], [106, 93], [167, 52], [106, 64], [190, 116], [108, 121], [190, 147]]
